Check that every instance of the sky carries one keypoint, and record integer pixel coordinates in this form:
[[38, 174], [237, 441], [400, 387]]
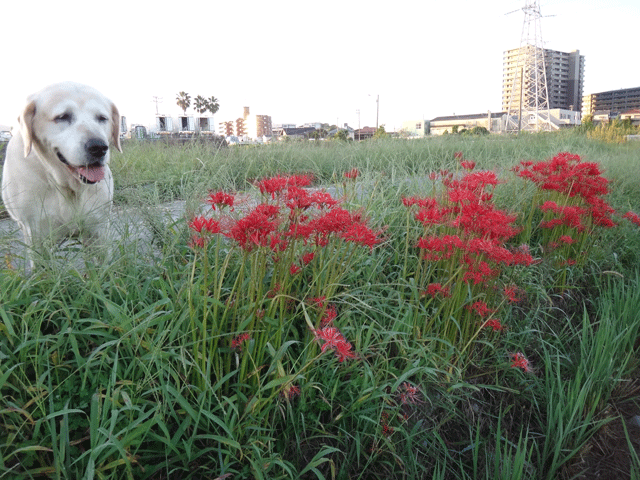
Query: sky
[[302, 62]]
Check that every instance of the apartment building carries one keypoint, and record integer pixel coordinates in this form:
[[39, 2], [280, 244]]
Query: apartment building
[[612, 102], [249, 125], [564, 75]]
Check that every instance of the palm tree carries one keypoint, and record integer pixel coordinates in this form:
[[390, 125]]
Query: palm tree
[[212, 105], [200, 104], [183, 100]]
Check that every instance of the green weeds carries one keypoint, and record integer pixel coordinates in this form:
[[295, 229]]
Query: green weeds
[[199, 353]]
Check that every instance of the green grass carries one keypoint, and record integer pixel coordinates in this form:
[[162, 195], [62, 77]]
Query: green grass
[[116, 370]]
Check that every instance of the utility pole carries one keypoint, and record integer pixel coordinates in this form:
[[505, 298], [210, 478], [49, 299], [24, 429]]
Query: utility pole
[[156, 100]]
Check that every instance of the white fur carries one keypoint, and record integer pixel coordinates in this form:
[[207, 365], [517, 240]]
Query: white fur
[[56, 181]]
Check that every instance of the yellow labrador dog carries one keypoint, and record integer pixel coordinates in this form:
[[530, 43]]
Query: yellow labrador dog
[[56, 181]]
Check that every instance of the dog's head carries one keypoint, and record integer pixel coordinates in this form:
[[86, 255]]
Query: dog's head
[[72, 124]]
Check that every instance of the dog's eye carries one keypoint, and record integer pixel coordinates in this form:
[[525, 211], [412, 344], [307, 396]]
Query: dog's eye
[[65, 117], [102, 119]]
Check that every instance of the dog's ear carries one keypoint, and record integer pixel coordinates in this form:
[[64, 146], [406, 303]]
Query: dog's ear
[[26, 126], [115, 127]]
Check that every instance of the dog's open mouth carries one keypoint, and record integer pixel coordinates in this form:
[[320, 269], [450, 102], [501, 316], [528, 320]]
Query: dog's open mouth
[[88, 174]]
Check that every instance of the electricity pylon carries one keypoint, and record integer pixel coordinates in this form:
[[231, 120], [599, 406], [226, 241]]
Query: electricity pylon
[[529, 98]]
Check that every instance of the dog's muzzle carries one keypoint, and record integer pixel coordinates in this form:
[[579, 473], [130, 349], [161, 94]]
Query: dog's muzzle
[[93, 171]]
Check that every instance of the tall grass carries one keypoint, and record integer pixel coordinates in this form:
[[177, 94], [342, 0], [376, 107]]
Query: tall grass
[[127, 369]]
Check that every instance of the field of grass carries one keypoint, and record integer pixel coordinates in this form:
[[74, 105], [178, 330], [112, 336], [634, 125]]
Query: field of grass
[[412, 319]]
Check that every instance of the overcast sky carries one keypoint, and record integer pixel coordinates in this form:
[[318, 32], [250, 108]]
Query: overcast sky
[[303, 61]]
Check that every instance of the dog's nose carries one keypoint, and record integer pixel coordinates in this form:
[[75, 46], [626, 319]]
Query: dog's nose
[[96, 147]]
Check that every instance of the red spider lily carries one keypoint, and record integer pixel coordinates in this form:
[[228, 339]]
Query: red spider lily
[[236, 343], [277, 184], [308, 257], [428, 202], [300, 230], [333, 339], [294, 269], [317, 301], [256, 227], [352, 174], [458, 155], [432, 215], [221, 199], [434, 289], [480, 308], [330, 314], [478, 272], [360, 234], [568, 175], [566, 239], [323, 200], [409, 394], [520, 361], [276, 242], [297, 198], [200, 224], [333, 221], [468, 164], [513, 293], [290, 391], [493, 323], [273, 292], [197, 242], [445, 245], [633, 217], [387, 431]]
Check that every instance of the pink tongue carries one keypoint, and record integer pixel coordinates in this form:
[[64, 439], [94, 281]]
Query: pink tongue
[[92, 174]]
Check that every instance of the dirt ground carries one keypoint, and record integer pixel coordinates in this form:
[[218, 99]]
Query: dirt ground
[[608, 455]]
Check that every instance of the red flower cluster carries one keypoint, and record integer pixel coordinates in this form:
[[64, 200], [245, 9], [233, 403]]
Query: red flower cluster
[[352, 174], [297, 214], [482, 229], [520, 361], [333, 339], [513, 293], [236, 343], [277, 184], [290, 392], [221, 199], [480, 308], [409, 394], [494, 324], [387, 431], [567, 175], [433, 289], [632, 217]]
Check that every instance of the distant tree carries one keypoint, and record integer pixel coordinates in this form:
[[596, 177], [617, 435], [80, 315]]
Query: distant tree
[[587, 121], [200, 104], [183, 100], [341, 135], [404, 133], [380, 132], [212, 105], [454, 129], [479, 130]]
